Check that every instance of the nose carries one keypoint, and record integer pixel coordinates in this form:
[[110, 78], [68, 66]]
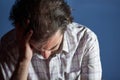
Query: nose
[[46, 54]]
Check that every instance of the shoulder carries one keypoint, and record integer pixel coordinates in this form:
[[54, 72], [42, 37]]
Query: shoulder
[[82, 39], [8, 38], [8, 53], [80, 31], [7, 44]]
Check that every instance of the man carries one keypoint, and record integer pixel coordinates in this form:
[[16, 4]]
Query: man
[[47, 45]]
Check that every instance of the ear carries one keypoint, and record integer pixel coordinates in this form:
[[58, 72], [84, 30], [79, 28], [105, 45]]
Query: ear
[[17, 25], [27, 22], [19, 31]]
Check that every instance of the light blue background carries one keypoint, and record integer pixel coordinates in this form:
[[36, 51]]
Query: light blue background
[[101, 16]]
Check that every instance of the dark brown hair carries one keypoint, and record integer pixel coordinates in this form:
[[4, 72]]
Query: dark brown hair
[[45, 16]]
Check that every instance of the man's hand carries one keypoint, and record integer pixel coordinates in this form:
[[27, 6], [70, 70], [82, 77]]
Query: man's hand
[[25, 51]]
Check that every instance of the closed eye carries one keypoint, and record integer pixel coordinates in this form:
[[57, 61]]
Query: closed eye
[[54, 47]]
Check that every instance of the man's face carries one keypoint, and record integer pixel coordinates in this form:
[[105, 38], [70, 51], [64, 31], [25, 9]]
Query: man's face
[[50, 46]]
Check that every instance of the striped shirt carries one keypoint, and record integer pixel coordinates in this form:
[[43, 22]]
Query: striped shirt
[[78, 60]]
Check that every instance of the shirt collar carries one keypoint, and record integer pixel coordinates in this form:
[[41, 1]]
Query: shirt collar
[[65, 45]]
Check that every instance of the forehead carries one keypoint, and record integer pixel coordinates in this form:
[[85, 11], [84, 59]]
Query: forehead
[[56, 38]]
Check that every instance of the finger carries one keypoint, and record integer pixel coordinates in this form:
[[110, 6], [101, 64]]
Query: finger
[[28, 36]]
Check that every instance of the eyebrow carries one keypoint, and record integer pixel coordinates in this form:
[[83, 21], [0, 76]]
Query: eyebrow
[[54, 47], [57, 45]]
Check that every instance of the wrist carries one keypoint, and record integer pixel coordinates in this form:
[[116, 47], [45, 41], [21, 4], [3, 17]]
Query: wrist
[[24, 64], [24, 60]]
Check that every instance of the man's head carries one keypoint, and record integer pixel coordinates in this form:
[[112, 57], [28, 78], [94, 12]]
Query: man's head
[[44, 17], [47, 19]]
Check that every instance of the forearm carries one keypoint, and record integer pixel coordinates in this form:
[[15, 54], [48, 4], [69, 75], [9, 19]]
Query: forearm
[[25, 50], [21, 71]]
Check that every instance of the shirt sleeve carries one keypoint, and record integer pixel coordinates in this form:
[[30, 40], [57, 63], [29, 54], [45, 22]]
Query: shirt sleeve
[[7, 55], [91, 64], [5, 61], [1, 70]]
